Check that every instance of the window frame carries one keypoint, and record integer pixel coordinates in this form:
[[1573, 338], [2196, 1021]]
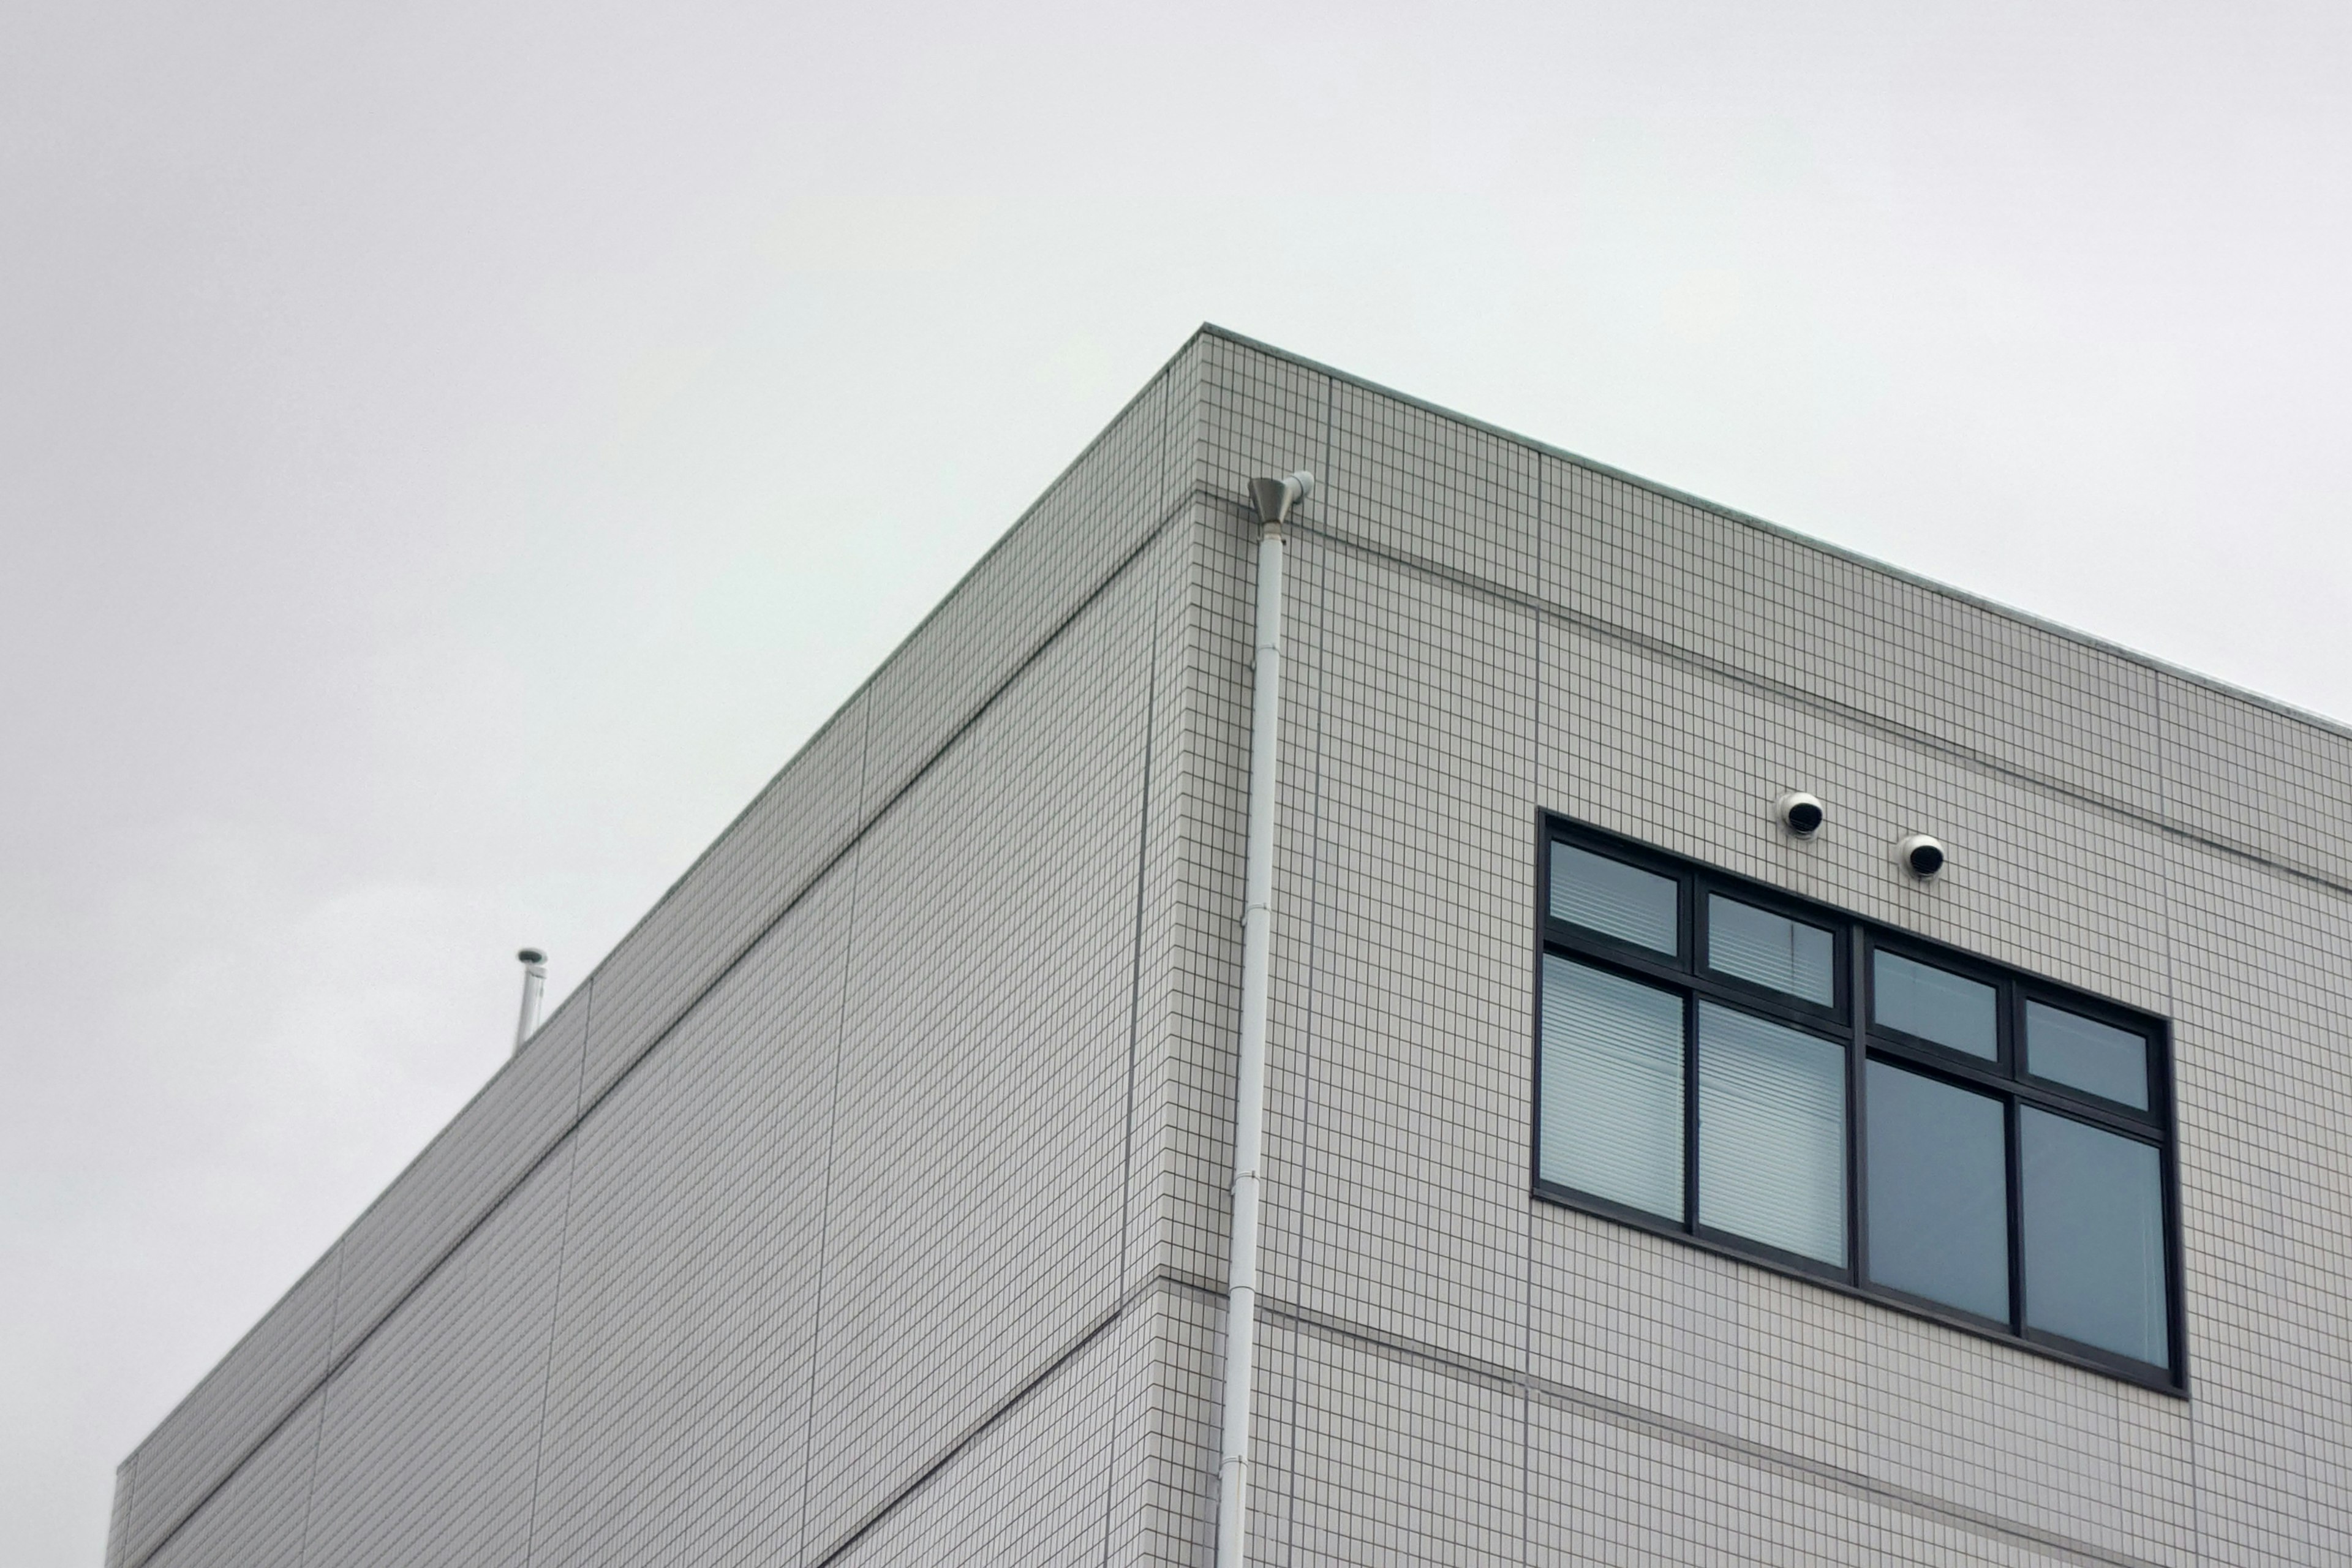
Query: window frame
[[1847, 1022]]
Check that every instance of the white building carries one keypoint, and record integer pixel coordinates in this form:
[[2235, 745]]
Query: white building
[[1642, 1180]]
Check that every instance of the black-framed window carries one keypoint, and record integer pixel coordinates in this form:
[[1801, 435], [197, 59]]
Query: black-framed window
[[1764, 1076]]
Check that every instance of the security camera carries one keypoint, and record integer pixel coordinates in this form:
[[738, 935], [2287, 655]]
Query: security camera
[[1921, 856], [1800, 812]]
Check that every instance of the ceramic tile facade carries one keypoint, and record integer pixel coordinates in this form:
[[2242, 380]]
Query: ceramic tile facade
[[867, 1204]]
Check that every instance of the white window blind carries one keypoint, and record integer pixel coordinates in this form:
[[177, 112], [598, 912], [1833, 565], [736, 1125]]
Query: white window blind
[[1771, 1134], [1612, 1088]]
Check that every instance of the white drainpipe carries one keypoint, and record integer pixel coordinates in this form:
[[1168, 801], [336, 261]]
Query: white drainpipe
[[1275, 498]]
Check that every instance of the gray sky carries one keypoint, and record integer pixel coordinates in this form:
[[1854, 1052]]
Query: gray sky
[[451, 455]]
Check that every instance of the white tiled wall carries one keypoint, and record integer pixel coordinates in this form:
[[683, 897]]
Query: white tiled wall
[[1486, 631], [868, 1203]]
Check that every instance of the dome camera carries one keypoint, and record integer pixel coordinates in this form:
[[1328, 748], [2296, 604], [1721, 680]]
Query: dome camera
[[1800, 812], [1921, 855]]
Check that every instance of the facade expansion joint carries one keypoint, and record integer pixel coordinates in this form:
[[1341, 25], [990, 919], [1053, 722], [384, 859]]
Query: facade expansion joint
[[1163, 1280], [1497, 1378], [1086, 598]]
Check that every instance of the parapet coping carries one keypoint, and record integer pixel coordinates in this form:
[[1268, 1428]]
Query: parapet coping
[[2305, 716]]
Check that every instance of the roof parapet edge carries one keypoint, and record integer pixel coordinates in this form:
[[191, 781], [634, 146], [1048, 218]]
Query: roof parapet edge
[[2339, 728]]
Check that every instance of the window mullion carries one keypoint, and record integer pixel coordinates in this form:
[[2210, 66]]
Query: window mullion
[[1857, 1200], [2098, 1114], [1690, 1111], [2016, 1217], [1769, 1097]]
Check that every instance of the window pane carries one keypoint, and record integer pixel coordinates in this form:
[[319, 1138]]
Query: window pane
[[1750, 943], [2093, 1236], [1938, 1167], [1771, 1134], [1612, 898], [2067, 1047], [1933, 1004], [1612, 1088]]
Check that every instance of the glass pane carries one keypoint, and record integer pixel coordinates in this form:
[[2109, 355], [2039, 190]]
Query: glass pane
[[1612, 1089], [1771, 1134], [2066, 1047], [1750, 943], [1938, 1167], [1612, 898], [1933, 1004], [2093, 1236]]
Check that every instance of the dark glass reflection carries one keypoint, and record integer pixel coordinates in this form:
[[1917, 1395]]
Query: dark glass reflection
[[2098, 1058], [1933, 1004], [1753, 944], [1938, 1198], [1613, 899], [2093, 1236]]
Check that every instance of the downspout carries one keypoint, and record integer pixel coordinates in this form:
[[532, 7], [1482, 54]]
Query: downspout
[[1275, 498]]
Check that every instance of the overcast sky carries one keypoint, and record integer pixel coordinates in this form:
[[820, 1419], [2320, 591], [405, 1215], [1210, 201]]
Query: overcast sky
[[451, 455]]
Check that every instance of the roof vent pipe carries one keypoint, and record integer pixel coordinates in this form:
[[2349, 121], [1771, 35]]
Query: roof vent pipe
[[1275, 498], [534, 985]]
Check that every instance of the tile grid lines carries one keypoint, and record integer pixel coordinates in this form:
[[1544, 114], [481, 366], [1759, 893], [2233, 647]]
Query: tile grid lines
[[1654, 488], [832, 1141], [1135, 995], [587, 1019], [1800, 698], [654, 1040], [1158, 381], [2196, 1479], [1415, 1014], [1463, 1368], [319, 1429], [563, 1254], [555, 1307], [1792, 1404], [888, 1241], [1527, 1231], [1158, 1281], [547, 1368], [892, 1380], [129, 1550], [118, 1526], [310, 1483], [1061, 1271], [1326, 1470], [334, 1259], [1314, 969]]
